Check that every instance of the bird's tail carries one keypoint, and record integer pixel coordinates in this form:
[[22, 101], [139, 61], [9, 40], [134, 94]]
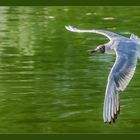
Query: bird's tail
[[111, 108]]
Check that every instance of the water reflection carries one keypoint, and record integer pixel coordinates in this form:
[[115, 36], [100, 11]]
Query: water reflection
[[49, 83]]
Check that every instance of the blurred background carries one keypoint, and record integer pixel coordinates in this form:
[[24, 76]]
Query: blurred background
[[49, 83]]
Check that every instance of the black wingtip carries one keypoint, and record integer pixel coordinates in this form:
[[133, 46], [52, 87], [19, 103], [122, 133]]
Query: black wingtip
[[115, 116], [113, 120], [118, 110], [108, 123]]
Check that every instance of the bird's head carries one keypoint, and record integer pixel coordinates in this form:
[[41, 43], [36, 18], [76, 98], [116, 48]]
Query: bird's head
[[100, 49]]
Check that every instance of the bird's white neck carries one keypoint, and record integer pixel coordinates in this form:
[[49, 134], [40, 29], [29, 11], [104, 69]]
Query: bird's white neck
[[109, 47]]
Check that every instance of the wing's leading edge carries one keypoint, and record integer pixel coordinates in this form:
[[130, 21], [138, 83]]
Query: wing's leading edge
[[108, 34]]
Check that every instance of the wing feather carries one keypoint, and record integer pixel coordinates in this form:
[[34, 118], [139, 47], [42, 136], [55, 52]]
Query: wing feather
[[119, 77], [108, 34]]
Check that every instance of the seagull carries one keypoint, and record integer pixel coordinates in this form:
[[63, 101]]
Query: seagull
[[127, 51]]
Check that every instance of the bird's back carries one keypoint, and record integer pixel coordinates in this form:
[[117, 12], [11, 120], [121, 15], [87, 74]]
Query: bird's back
[[129, 46]]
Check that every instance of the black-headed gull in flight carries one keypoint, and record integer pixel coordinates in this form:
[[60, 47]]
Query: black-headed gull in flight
[[127, 52]]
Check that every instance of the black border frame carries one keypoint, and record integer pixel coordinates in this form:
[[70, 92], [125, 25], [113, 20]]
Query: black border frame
[[69, 3]]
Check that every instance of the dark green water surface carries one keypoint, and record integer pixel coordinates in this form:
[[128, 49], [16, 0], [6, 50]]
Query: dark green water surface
[[49, 83]]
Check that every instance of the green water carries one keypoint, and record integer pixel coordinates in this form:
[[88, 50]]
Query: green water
[[49, 83]]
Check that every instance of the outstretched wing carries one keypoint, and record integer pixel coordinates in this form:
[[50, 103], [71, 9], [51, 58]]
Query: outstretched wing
[[119, 77], [108, 34]]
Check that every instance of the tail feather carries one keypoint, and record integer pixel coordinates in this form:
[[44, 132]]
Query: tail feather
[[111, 108]]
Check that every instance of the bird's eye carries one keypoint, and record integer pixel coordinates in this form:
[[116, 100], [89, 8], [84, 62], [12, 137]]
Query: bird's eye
[[102, 49]]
